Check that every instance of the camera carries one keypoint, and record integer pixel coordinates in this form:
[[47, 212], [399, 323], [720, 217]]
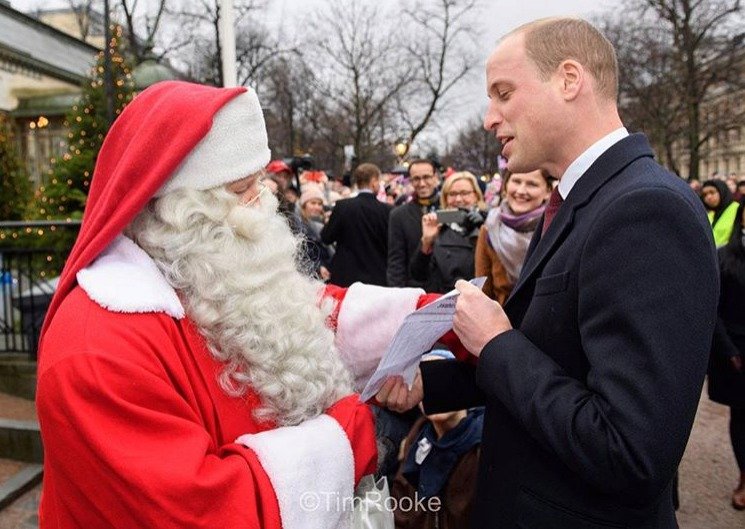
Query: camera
[[451, 216]]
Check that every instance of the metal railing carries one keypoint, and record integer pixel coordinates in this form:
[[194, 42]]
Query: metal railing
[[32, 254]]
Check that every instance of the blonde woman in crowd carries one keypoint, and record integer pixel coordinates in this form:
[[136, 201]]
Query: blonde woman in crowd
[[445, 252]]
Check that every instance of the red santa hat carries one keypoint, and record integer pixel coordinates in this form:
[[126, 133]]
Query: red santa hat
[[172, 135]]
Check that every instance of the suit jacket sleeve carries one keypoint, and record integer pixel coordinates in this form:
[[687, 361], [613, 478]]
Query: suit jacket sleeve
[[330, 231], [397, 262], [646, 319], [449, 386]]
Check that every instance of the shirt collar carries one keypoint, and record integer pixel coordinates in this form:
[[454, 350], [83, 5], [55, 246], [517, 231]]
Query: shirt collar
[[583, 162]]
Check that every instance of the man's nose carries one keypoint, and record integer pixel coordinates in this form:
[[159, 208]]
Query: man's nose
[[492, 118]]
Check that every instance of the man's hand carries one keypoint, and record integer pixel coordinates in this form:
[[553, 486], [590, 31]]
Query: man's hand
[[396, 395], [430, 230], [478, 318]]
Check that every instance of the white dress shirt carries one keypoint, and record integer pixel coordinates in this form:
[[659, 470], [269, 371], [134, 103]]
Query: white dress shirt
[[583, 162]]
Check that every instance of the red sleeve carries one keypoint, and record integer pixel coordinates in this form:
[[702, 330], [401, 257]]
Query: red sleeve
[[449, 339], [337, 294]]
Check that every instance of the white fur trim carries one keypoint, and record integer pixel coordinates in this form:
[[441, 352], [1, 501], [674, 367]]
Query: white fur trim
[[235, 147], [368, 320], [311, 467], [125, 279]]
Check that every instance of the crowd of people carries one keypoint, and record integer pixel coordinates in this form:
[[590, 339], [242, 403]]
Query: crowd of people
[[200, 360]]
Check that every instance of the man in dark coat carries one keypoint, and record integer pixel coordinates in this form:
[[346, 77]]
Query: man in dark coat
[[405, 228], [592, 372], [359, 227]]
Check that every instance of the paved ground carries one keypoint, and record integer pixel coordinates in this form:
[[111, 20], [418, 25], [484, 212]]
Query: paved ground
[[707, 477], [12, 407], [708, 473]]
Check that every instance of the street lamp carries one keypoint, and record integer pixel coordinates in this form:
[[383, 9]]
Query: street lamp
[[401, 149]]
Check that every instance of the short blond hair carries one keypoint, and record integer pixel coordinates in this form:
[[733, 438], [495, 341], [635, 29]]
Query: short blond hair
[[462, 175], [549, 41]]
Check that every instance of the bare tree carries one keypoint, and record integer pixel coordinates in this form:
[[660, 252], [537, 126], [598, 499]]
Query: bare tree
[[648, 80], [474, 150], [441, 50], [82, 10], [198, 35], [359, 72], [142, 28], [291, 107], [693, 48]]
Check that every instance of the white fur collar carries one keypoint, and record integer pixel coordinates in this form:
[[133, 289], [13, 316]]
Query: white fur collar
[[125, 279]]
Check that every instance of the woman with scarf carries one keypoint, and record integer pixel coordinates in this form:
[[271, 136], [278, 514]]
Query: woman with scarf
[[440, 458], [722, 209], [726, 371], [505, 236]]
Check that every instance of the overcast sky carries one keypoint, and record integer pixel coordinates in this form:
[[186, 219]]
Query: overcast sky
[[498, 17]]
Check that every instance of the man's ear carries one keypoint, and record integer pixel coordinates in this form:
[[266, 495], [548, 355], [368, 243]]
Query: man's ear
[[572, 77]]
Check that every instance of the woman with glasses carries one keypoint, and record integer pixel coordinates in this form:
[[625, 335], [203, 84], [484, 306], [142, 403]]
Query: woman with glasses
[[504, 238], [445, 252]]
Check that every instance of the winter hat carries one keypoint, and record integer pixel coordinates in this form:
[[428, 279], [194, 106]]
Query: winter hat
[[278, 166], [235, 147], [309, 193], [145, 146], [438, 354]]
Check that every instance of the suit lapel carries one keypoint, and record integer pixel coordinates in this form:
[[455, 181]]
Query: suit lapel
[[607, 166]]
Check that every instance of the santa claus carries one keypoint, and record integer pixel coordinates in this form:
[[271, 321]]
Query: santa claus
[[189, 375]]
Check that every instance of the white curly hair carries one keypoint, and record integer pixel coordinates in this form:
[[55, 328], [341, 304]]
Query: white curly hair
[[235, 270]]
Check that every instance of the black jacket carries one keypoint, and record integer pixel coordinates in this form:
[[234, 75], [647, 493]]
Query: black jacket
[[359, 227], [404, 235], [452, 258], [591, 397], [726, 385]]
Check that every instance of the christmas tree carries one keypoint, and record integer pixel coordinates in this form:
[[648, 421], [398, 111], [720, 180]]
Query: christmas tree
[[69, 177], [15, 187]]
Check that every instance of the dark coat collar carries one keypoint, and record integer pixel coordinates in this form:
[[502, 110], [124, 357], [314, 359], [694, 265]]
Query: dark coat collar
[[606, 167]]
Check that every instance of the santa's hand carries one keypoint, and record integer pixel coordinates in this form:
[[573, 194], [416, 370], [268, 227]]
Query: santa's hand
[[477, 318], [396, 395], [358, 424]]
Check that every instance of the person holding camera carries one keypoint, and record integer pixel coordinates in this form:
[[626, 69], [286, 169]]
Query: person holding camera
[[505, 236], [446, 250]]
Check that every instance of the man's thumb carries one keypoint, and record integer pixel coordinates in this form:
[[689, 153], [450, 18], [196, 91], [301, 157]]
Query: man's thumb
[[464, 286]]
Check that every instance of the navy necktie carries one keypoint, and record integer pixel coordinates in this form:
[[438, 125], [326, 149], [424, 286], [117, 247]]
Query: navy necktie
[[554, 203]]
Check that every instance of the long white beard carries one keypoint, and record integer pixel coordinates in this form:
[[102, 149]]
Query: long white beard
[[235, 270]]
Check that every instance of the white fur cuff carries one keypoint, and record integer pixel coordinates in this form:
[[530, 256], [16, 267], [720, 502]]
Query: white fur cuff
[[311, 467], [368, 320]]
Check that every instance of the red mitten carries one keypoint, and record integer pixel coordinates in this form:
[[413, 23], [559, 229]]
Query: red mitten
[[357, 421]]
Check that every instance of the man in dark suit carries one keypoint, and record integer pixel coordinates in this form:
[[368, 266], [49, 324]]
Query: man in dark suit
[[359, 227], [405, 229], [592, 371]]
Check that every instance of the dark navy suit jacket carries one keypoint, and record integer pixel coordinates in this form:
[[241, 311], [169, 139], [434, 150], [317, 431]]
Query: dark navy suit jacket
[[591, 397], [359, 227]]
